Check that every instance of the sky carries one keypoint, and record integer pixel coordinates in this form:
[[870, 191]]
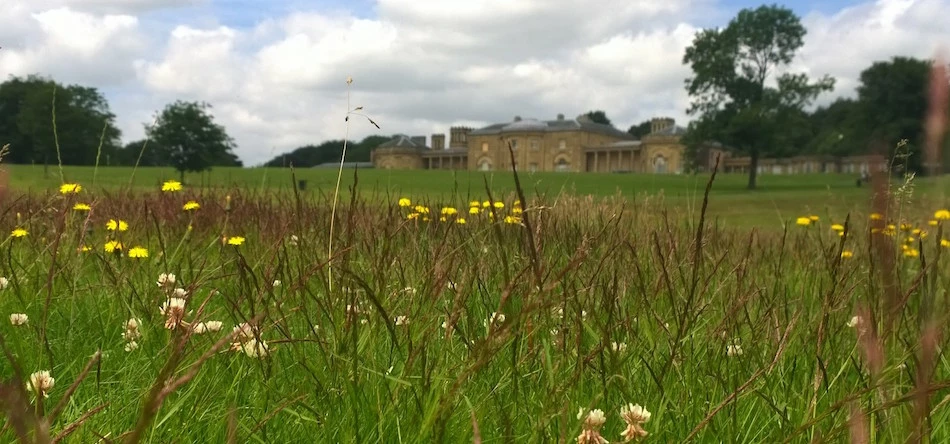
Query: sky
[[275, 71]]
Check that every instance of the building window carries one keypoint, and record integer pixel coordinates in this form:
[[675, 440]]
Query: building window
[[562, 165], [532, 167], [484, 147], [562, 145], [534, 144]]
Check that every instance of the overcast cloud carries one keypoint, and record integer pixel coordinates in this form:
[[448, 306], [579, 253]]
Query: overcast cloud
[[276, 74]]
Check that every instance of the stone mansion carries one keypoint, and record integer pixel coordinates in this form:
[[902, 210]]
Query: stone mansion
[[582, 145]]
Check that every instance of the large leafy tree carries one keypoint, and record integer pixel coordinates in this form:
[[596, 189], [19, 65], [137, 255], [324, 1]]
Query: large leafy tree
[[641, 129], [189, 139], [892, 99], [732, 88], [84, 125], [598, 116]]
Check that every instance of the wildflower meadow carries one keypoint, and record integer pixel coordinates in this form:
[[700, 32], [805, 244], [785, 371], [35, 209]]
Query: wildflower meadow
[[182, 314]]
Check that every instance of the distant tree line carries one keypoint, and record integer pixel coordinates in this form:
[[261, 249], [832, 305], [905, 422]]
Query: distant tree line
[[38, 114], [328, 152]]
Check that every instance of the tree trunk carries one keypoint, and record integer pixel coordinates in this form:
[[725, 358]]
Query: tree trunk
[[753, 167]]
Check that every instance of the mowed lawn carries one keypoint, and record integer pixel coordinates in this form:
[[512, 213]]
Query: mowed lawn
[[779, 199]]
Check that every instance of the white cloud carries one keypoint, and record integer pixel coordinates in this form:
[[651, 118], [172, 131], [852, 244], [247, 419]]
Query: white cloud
[[420, 65]]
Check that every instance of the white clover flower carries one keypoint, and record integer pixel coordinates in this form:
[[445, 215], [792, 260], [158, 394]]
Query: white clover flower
[[131, 345], [734, 350], [132, 332], [276, 283], [854, 322], [255, 348], [635, 416], [494, 319], [294, 240], [618, 346], [41, 383], [592, 423], [244, 332], [402, 320], [166, 280], [200, 328], [180, 292], [213, 326], [174, 310], [452, 286], [18, 319], [4, 282], [410, 290]]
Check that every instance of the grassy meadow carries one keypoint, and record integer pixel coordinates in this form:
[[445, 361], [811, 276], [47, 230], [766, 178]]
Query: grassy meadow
[[778, 200], [794, 313]]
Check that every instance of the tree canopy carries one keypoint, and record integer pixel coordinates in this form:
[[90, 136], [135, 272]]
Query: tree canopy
[[329, 151], [730, 90], [188, 139], [598, 116], [84, 125]]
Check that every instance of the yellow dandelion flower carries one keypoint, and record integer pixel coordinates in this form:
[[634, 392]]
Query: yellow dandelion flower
[[460, 220], [449, 211], [837, 227], [235, 240], [499, 205], [474, 203], [421, 209], [516, 210], [875, 230], [112, 246], [190, 206], [70, 188], [83, 249], [906, 226], [486, 204], [803, 221], [932, 223], [412, 216], [81, 206], [876, 216], [911, 252], [113, 225], [171, 186], [945, 243], [405, 202], [474, 210], [942, 215], [138, 252], [442, 219], [19, 232], [813, 218], [847, 254], [512, 220]]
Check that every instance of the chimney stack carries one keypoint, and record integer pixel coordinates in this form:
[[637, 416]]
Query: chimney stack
[[438, 141], [458, 136]]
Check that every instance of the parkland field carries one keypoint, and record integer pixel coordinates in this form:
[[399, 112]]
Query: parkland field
[[426, 308]]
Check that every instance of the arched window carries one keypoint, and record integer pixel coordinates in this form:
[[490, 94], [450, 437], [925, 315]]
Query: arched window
[[659, 165], [562, 165], [484, 165]]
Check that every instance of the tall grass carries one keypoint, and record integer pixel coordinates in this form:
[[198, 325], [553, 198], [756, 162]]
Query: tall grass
[[499, 329]]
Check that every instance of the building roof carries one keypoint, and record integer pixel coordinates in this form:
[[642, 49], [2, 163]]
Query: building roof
[[581, 123], [402, 141]]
